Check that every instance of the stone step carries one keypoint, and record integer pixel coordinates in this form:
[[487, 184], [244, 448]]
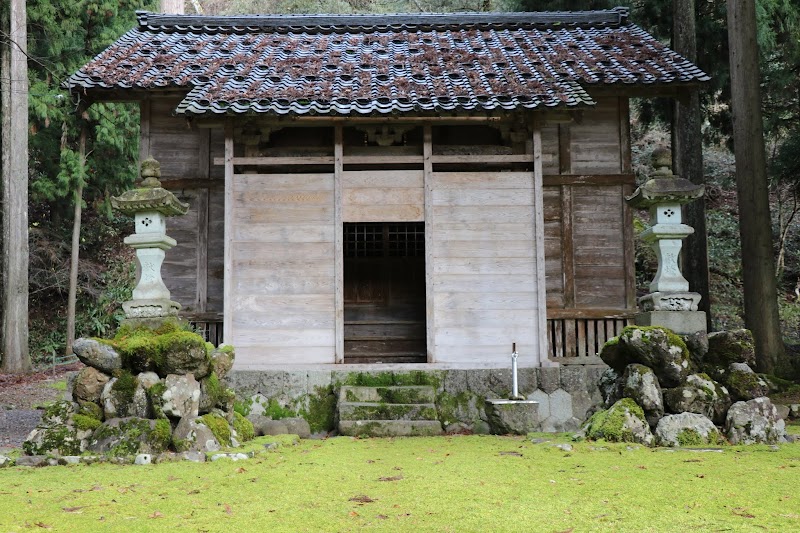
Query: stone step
[[386, 411], [397, 394], [390, 428]]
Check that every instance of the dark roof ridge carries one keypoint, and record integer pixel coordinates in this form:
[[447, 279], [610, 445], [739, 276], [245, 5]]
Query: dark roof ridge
[[372, 22]]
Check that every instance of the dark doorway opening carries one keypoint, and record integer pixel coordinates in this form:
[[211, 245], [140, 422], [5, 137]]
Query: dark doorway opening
[[384, 292]]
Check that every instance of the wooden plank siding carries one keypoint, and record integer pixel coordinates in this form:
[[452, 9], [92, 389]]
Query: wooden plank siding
[[284, 280], [479, 314]]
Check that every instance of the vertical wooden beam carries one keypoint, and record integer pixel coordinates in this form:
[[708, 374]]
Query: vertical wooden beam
[[338, 243], [144, 129], [626, 167], [540, 325], [201, 290], [564, 149], [228, 234], [567, 246], [427, 170]]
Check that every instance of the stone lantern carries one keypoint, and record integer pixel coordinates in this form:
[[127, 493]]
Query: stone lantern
[[149, 204], [669, 304]]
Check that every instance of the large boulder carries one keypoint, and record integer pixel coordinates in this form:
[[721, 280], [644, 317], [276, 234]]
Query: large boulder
[[743, 383], [701, 395], [97, 354], [191, 434], [58, 433], [213, 393], [697, 343], [181, 396], [166, 348], [652, 346], [622, 422], [686, 429], [89, 385], [187, 356], [263, 425], [726, 347], [141, 406], [754, 421], [641, 385], [131, 436]]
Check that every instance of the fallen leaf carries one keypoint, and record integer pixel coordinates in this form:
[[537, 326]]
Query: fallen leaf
[[71, 509], [739, 511], [353, 513], [43, 525], [381, 517], [641, 467], [393, 478], [228, 509], [156, 514], [370, 461], [172, 478], [570, 530], [241, 470], [515, 454], [701, 476], [362, 499], [396, 468], [692, 461]]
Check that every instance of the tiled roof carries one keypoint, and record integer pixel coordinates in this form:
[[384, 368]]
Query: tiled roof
[[371, 64]]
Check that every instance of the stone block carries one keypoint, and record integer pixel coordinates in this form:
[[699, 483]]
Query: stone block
[[549, 379], [681, 322], [573, 378], [455, 381], [544, 403], [512, 417], [479, 383]]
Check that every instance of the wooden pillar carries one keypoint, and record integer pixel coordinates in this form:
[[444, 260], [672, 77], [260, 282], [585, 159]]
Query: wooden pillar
[[427, 169], [540, 325], [201, 290], [338, 242], [228, 234]]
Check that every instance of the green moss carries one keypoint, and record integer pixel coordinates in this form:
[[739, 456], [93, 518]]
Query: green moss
[[91, 409], [244, 428], [613, 341], [155, 395], [225, 348], [58, 412], [122, 390], [276, 411], [672, 338], [400, 395], [218, 394], [448, 406], [610, 424], [743, 382], [219, 427], [388, 379], [85, 423], [143, 348], [243, 407], [161, 436], [691, 437], [321, 409], [61, 440]]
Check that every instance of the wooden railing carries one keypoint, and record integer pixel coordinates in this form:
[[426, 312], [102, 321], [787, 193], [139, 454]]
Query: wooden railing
[[577, 334]]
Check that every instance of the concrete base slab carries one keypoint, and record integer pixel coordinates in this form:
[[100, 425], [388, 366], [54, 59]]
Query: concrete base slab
[[390, 428], [681, 322], [518, 417]]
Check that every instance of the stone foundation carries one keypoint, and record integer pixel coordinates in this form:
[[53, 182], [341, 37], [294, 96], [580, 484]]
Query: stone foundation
[[567, 395]]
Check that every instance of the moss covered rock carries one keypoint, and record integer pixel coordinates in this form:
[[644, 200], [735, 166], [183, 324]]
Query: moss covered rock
[[213, 393], [222, 360], [168, 349], [641, 385], [130, 436], [89, 385], [654, 347], [701, 395], [754, 421], [726, 347], [117, 395], [622, 422], [181, 396], [687, 429], [743, 383], [57, 434], [192, 434], [97, 354]]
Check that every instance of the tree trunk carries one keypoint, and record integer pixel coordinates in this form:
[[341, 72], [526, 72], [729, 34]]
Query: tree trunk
[[76, 244], [174, 7], [758, 262], [14, 67], [687, 156]]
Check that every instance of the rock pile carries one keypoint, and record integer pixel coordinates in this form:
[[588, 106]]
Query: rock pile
[[153, 387], [674, 391]]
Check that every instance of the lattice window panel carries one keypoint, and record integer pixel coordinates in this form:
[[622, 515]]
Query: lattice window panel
[[369, 239]]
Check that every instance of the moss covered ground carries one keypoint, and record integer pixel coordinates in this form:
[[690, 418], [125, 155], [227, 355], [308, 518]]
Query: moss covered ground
[[460, 483]]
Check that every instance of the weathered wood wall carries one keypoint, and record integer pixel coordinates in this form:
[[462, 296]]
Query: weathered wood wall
[[586, 167], [484, 265], [283, 273]]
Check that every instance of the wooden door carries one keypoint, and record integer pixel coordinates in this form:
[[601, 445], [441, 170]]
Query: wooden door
[[384, 292]]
